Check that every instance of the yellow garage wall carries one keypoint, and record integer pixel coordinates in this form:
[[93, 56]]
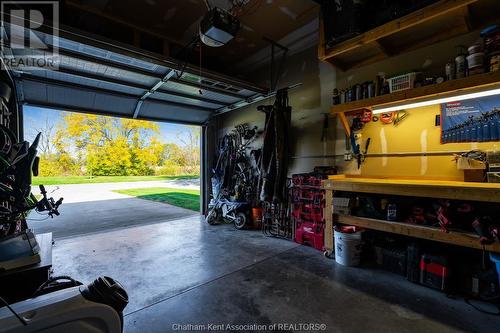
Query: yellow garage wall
[[416, 133]]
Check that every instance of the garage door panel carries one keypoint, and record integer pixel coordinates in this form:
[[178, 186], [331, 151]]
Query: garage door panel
[[221, 86], [157, 110], [187, 100], [45, 94], [88, 82], [193, 90], [106, 71], [97, 77], [105, 54]]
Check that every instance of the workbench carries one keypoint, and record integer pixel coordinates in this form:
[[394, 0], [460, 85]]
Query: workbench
[[453, 190]]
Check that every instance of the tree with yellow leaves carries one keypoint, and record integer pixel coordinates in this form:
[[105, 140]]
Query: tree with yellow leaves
[[110, 146]]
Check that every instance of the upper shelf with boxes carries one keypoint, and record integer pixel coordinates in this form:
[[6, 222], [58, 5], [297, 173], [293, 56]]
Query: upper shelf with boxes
[[472, 70], [357, 33]]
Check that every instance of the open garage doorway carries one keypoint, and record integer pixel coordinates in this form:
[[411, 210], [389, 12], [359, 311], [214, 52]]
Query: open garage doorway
[[113, 172], [134, 232]]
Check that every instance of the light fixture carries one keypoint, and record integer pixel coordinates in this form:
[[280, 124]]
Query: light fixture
[[437, 101]]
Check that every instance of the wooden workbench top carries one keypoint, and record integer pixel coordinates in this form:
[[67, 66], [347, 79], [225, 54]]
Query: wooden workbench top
[[442, 189]]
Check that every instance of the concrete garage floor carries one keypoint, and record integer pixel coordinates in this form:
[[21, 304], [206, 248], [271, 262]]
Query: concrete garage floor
[[187, 272]]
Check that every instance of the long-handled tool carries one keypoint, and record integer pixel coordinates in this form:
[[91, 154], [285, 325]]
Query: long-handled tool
[[362, 155], [356, 150]]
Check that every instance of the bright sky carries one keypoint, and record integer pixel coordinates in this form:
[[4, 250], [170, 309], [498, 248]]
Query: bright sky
[[36, 118]]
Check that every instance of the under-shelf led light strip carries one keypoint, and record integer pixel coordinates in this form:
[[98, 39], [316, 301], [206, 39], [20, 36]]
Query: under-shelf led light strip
[[437, 101]]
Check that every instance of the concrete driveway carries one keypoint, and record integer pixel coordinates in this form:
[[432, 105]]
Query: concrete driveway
[[91, 208]]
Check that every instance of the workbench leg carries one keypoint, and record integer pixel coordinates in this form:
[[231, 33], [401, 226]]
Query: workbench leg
[[328, 211]]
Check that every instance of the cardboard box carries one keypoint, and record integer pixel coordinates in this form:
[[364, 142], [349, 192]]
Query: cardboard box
[[474, 175]]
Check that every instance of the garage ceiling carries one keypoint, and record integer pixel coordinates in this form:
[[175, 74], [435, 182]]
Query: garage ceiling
[[152, 23], [95, 76]]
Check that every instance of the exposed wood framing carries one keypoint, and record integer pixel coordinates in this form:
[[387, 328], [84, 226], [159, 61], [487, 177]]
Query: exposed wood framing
[[136, 28]]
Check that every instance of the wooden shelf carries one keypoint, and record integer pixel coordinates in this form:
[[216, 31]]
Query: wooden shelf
[[432, 91], [486, 192], [453, 237], [439, 21]]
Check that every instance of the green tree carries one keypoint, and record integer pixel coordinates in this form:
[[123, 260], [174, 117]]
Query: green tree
[[82, 144], [190, 140], [173, 153], [110, 146]]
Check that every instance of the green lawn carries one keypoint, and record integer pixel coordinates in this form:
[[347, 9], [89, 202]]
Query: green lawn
[[189, 199], [60, 180]]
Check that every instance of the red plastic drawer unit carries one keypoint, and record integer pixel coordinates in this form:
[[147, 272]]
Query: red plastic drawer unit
[[306, 217], [318, 218], [312, 181], [307, 208], [308, 202], [296, 192], [310, 217], [298, 206], [306, 194], [319, 199], [434, 272], [310, 234], [297, 180]]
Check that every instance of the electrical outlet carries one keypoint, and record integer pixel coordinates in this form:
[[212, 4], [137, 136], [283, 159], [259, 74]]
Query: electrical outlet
[[347, 157]]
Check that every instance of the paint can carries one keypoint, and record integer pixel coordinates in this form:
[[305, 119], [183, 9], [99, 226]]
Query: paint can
[[371, 89], [357, 92], [476, 48], [460, 67], [347, 247], [342, 96], [475, 63], [450, 70], [364, 90], [461, 62]]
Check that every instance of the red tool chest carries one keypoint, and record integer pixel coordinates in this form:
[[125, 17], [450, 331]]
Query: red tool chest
[[308, 202]]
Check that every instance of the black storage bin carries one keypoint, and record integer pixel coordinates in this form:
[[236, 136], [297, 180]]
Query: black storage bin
[[413, 262], [342, 19], [392, 259], [345, 19]]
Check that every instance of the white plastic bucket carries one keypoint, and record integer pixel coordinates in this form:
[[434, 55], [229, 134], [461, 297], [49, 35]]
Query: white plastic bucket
[[347, 248]]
